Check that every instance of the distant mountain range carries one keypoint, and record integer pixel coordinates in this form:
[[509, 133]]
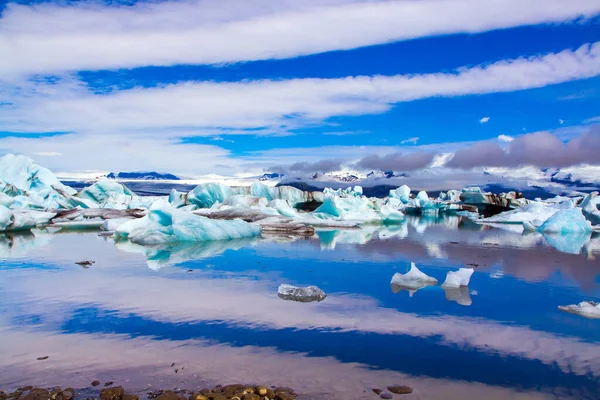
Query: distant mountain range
[[146, 176]]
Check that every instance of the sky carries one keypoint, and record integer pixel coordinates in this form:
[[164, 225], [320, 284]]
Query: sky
[[238, 87]]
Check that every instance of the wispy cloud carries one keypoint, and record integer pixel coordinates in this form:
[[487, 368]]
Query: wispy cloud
[[92, 36], [505, 138], [412, 140], [272, 105], [484, 120]]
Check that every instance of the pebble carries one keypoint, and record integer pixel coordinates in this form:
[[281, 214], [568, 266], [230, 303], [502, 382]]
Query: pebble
[[42, 358], [386, 395], [96, 383], [400, 389], [115, 393], [377, 391]]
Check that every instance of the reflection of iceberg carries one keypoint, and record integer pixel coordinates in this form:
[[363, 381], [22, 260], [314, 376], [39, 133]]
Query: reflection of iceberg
[[16, 245], [587, 309], [331, 238], [568, 243], [160, 255], [456, 279], [399, 231], [412, 280], [460, 295]]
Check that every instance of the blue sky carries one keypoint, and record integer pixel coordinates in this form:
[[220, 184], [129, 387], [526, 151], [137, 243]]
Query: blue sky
[[232, 87]]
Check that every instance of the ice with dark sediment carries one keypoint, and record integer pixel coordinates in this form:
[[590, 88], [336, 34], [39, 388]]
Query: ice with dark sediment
[[306, 294]]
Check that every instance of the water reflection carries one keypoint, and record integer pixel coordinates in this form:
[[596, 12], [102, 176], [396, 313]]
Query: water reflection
[[218, 302]]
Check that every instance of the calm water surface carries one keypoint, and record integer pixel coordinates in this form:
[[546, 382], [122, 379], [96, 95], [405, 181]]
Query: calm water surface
[[212, 309]]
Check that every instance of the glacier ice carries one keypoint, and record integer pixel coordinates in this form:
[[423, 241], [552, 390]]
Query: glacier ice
[[527, 213], [456, 279], [413, 279], [589, 207], [571, 243], [104, 190], [402, 193], [163, 224], [587, 309], [301, 294], [22, 220], [566, 221]]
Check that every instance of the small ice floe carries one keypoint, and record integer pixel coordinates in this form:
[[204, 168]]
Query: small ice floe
[[587, 309], [456, 279], [566, 221], [460, 295], [412, 280], [301, 294]]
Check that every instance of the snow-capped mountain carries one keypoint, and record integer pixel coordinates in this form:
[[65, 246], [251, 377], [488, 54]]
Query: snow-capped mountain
[[144, 176]]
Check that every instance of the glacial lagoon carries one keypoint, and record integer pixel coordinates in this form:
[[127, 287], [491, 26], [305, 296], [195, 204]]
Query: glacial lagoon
[[190, 315]]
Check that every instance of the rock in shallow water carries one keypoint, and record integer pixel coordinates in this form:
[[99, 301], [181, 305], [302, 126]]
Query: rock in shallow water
[[301, 294]]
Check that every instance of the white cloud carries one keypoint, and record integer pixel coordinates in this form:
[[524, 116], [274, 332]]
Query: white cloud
[[92, 36], [484, 120], [412, 140], [201, 108], [505, 138], [561, 121], [104, 153]]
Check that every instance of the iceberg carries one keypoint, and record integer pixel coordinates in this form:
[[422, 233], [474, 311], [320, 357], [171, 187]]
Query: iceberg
[[589, 207], [206, 195], [587, 309], [402, 193], [107, 193], [566, 221], [456, 279], [413, 279], [571, 243], [527, 213], [165, 224], [301, 294], [245, 201], [22, 220]]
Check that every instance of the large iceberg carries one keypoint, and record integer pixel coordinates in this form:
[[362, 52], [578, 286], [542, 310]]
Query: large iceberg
[[402, 193], [587, 309], [22, 220], [351, 205], [103, 190], [589, 207], [456, 279], [24, 184], [527, 213], [566, 221], [413, 279], [167, 224], [301, 294]]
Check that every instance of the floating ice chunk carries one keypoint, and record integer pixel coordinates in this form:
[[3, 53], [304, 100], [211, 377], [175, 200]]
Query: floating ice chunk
[[206, 195], [283, 207], [589, 207], [422, 195], [460, 295], [413, 279], [111, 225], [104, 190], [402, 193], [456, 279], [473, 216], [79, 225], [177, 199], [21, 220], [301, 294], [587, 309], [167, 224], [529, 212], [567, 221]]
